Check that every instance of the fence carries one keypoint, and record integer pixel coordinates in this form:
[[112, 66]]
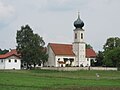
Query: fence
[[78, 68]]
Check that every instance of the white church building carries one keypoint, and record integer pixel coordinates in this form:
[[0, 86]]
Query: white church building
[[75, 54]]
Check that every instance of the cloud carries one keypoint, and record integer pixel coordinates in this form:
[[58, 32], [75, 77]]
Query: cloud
[[62, 5], [5, 10], [6, 14]]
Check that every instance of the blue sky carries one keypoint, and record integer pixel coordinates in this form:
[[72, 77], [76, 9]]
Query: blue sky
[[53, 20]]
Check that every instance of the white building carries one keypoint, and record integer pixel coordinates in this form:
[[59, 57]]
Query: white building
[[10, 60], [60, 55], [74, 54]]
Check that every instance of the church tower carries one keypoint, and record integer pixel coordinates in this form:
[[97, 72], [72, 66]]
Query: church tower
[[79, 44]]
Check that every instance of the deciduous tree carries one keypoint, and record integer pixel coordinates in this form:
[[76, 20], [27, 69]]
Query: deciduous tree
[[30, 46], [111, 43], [112, 52], [99, 58], [112, 58]]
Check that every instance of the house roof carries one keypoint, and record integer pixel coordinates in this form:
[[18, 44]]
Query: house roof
[[66, 49], [90, 53], [62, 49], [11, 53]]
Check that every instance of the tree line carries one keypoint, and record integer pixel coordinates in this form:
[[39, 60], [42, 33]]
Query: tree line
[[110, 56]]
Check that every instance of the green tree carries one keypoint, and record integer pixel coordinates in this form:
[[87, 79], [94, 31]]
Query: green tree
[[44, 56], [99, 58], [88, 46], [3, 51], [111, 52], [30, 46], [111, 43], [112, 58]]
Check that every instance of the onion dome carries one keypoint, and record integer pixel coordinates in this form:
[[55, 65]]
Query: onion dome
[[79, 23]]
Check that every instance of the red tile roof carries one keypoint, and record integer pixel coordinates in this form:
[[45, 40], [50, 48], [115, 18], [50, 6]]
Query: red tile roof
[[11, 53], [90, 53], [66, 49], [62, 49]]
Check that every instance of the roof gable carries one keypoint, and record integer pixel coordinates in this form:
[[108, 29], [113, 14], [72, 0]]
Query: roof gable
[[62, 49], [90, 53]]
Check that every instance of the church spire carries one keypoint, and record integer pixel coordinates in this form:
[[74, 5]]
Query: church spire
[[78, 14], [79, 23]]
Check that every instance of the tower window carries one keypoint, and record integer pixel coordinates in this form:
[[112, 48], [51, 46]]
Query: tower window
[[75, 35], [81, 35]]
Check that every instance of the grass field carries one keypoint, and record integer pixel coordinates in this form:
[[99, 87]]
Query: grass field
[[59, 80]]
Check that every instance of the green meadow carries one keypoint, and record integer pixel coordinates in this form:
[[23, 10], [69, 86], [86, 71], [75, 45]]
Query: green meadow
[[59, 80]]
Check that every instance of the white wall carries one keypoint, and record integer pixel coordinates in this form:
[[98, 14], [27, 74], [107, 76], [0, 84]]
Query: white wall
[[78, 68], [80, 52], [51, 57], [12, 64], [2, 64]]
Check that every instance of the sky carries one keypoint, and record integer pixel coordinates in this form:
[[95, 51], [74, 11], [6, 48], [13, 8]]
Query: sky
[[53, 20]]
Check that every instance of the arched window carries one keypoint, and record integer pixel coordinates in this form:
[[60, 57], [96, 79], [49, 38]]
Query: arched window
[[75, 35], [81, 35]]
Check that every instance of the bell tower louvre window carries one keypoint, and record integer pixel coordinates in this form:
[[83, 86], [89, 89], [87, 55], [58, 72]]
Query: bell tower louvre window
[[81, 35], [75, 35]]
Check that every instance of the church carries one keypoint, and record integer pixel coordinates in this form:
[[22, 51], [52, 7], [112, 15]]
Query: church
[[75, 54]]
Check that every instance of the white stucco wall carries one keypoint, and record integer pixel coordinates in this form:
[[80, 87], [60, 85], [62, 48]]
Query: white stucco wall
[[51, 57], [80, 52], [11, 65], [2, 64]]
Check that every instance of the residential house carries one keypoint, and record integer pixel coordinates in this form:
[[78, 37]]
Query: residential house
[[10, 60]]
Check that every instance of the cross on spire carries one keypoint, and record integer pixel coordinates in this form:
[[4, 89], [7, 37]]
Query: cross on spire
[[78, 14]]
